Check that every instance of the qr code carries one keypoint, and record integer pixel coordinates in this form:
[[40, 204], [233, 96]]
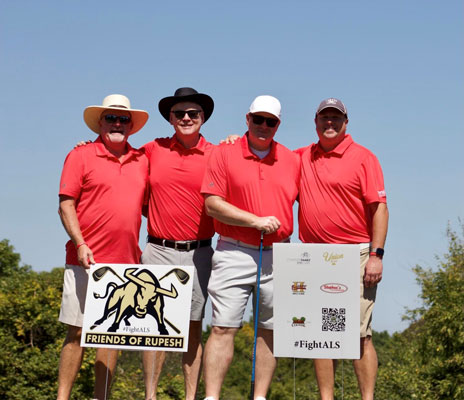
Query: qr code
[[333, 319]]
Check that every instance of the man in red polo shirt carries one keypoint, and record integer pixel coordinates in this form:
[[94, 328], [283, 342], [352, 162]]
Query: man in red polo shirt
[[250, 187], [342, 200], [102, 191], [179, 230]]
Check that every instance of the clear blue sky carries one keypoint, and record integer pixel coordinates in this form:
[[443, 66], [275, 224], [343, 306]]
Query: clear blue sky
[[397, 65]]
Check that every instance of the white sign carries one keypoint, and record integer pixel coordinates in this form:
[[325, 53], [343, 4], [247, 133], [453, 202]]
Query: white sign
[[316, 300], [138, 307]]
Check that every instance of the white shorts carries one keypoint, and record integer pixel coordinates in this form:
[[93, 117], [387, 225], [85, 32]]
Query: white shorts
[[74, 291], [233, 278]]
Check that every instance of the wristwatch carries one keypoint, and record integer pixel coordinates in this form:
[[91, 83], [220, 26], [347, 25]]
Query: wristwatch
[[377, 251]]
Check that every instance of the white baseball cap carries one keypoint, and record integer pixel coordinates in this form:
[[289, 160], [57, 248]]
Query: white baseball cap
[[268, 104]]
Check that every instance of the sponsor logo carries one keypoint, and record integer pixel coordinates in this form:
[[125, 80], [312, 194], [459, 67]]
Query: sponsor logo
[[334, 288], [305, 258], [298, 288], [381, 193], [310, 345], [298, 321], [331, 101], [332, 258]]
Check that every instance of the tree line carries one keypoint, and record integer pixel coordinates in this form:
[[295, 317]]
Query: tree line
[[424, 362]]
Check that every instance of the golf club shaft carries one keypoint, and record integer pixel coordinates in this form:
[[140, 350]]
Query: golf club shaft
[[172, 326], [258, 284]]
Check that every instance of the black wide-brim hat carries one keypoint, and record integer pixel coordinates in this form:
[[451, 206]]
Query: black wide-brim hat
[[186, 94]]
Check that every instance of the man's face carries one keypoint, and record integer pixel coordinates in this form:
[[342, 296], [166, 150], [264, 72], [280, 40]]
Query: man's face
[[183, 123], [115, 128], [260, 134], [331, 127]]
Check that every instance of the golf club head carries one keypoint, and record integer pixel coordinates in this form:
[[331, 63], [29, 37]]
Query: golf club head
[[100, 273], [182, 275]]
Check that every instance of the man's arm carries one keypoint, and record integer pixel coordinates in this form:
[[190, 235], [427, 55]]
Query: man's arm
[[68, 215], [374, 267], [227, 213]]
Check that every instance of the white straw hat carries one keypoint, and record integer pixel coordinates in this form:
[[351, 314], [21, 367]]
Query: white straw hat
[[92, 114]]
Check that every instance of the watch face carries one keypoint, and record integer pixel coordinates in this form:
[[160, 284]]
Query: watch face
[[379, 251]]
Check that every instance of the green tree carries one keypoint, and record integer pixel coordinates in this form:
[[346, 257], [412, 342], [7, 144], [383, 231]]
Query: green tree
[[9, 260], [440, 324]]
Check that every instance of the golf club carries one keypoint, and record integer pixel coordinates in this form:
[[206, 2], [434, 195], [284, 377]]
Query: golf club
[[100, 273], [181, 275], [258, 284]]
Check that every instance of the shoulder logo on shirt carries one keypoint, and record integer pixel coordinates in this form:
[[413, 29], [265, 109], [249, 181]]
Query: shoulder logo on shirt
[[381, 193], [210, 184]]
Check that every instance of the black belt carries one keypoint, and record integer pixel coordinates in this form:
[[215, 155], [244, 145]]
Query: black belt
[[182, 245]]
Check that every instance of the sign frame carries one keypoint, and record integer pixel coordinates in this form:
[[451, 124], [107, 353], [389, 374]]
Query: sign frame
[[138, 307], [316, 300]]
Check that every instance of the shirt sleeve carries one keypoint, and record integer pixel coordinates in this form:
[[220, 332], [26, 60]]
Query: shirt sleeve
[[72, 175], [148, 148], [215, 179], [372, 184]]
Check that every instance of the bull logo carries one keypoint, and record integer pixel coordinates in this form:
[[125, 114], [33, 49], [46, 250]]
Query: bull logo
[[140, 295]]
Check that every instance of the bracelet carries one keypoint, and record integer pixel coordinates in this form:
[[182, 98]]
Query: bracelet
[[82, 244], [373, 253]]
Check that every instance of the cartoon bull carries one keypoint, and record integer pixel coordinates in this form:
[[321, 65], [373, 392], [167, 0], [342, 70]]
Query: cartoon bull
[[139, 296]]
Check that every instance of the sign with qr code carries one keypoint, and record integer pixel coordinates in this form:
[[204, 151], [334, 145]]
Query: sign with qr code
[[316, 300], [138, 307]]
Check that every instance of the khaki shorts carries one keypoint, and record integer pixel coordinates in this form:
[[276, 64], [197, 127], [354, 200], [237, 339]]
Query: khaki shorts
[[367, 298], [200, 258], [74, 290], [233, 279]]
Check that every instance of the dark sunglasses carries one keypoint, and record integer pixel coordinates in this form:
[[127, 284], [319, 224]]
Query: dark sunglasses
[[193, 114], [111, 119], [259, 119]]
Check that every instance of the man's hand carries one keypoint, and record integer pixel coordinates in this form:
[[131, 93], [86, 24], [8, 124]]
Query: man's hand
[[373, 271], [227, 213], [267, 224], [230, 139], [82, 143], [85, 256]]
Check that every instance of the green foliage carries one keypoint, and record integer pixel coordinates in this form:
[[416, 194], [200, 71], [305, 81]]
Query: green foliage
[[9, 260], [30, 334], [440, 324]]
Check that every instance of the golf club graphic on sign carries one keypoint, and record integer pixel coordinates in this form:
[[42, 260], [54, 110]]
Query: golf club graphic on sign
[[129, 307]]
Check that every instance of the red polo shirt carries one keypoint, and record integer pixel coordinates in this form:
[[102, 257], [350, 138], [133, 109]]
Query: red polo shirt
[[109, 197], [176, 208], [336, 188], [263, 187]]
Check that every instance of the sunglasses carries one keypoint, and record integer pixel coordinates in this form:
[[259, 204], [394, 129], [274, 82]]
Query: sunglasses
[[111, 119], [259, 119], [193, 114]]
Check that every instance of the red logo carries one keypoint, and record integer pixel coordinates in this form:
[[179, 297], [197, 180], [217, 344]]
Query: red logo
[[334, 287]]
